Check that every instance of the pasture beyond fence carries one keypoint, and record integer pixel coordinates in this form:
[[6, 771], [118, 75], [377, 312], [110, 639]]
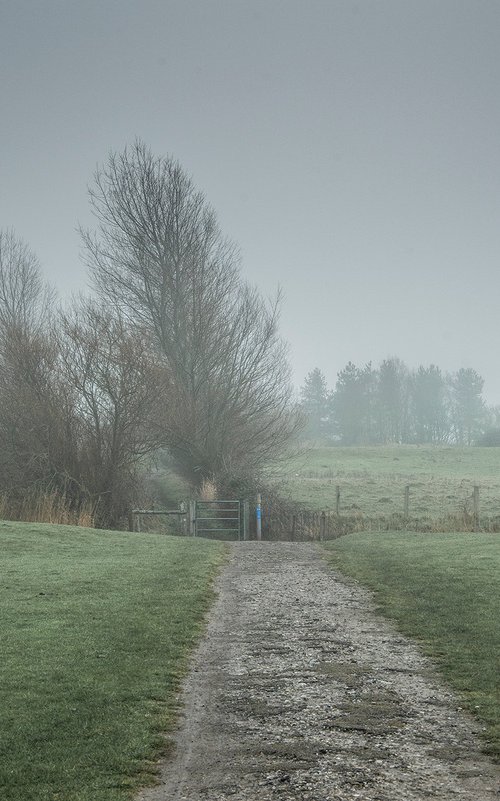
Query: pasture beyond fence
[[410, 508]]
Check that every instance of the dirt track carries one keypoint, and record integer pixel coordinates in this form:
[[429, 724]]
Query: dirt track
[[299, 691]]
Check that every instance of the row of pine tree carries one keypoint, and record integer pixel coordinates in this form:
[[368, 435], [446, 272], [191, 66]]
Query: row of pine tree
[[393, 404]]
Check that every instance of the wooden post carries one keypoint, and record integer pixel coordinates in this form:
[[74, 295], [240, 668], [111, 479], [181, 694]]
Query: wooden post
[[475, 501], [258, 514], [406, 513], [322, 526], [186, 520], [294, 524], [246, 519], [192, 518], [337, 500], [130, 520], [183, 519]]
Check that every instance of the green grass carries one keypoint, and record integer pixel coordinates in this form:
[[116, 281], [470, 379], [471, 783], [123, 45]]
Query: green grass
[[372, 481], [444, 590], [95, 630], [440, 460]]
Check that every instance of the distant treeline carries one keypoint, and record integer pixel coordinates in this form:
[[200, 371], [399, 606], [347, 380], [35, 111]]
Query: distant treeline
[[391, 403]]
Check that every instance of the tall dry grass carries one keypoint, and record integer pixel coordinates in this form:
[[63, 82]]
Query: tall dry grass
[[208, 490], [46, 506]]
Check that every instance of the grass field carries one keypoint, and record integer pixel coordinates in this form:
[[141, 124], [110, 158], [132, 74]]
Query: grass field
[[95, 632], [444, 590], [96, 627], [372, 482]]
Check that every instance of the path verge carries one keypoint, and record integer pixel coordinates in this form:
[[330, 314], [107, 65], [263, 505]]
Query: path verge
[[300, 691]]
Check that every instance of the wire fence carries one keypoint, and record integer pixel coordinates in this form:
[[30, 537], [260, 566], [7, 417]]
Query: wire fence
[[421, 506], [427, 506]]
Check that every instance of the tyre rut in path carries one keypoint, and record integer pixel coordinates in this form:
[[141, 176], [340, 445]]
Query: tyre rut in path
[[300, 691]]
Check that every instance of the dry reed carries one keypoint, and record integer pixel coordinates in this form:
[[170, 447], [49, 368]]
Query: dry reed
[[46, 506]]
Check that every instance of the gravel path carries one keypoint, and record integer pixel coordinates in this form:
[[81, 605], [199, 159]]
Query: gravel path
[[300, 691]]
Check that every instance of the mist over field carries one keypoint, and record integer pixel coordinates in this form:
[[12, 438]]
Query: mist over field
[[349, 149], [229, 229], [249, 375]]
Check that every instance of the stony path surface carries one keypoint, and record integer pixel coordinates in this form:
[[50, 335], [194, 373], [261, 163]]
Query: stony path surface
[[299, 691]]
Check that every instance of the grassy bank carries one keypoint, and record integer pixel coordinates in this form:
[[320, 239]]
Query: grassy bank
[[372, 482], [95, 632], [442, 589]]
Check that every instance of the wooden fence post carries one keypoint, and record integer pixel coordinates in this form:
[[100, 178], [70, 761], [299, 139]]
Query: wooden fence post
[[192, 518], [183, 517], [475, 501], [406, 513], [294, 523], [322, 526], [337, 500]]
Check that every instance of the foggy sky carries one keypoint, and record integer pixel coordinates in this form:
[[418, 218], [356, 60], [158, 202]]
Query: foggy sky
[[351, 149]]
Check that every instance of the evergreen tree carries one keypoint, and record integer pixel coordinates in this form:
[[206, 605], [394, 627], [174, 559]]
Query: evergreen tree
[[352, 404], [429, 400], [314, 401], [392, 401], [467, 405]]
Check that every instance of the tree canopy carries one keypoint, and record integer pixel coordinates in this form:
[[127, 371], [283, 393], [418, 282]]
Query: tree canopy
[[159, 256]]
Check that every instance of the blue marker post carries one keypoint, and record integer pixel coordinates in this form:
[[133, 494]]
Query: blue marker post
[[259, 518]]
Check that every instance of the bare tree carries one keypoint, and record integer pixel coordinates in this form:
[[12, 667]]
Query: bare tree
[[81, 396], [117, 390], [30, 406], [159, 255], [25, 298]]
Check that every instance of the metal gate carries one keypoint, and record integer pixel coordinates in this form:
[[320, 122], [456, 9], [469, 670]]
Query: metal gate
[[220, 520]]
